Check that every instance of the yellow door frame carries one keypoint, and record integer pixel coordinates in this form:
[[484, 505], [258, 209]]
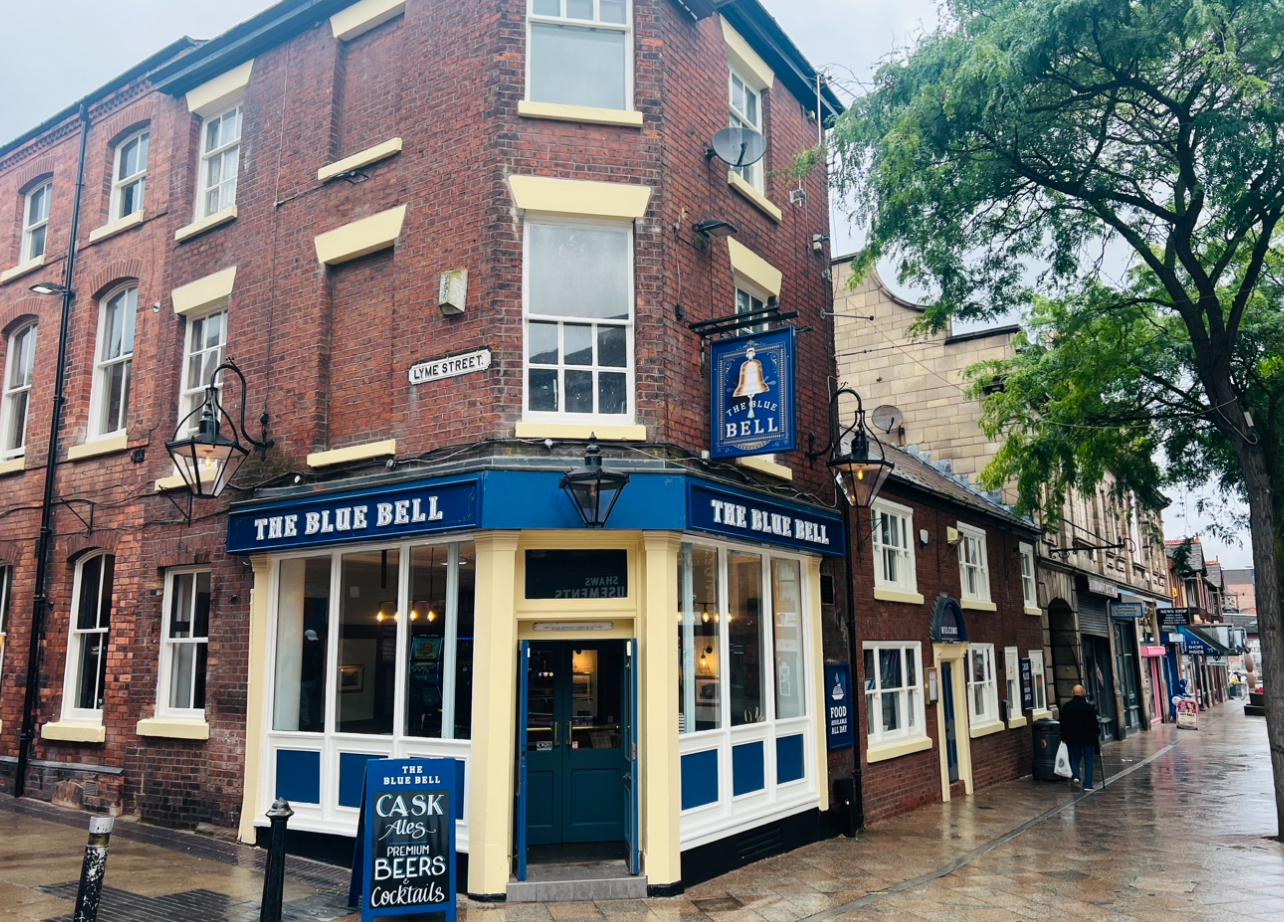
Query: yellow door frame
[[955, 655]]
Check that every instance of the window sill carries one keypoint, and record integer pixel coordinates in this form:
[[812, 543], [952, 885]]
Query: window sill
[[580, 432], [74, 731], [896, 595], [175, 728], [165, 484], [116, 227], [358, 160], [1015, 722], [353, 453], [1035, 612], [770, 468], [885, 751], [106, 446], [977, 605], [1041, 715], [31, 265], [13, 465], [560, 113], [199, 227], [985, 729], [756, 198]]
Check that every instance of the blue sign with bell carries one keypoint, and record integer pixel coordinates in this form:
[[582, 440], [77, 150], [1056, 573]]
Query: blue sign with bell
[[753, 394], [838, 706]]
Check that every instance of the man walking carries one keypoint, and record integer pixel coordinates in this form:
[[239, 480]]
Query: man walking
[[1080, 732]]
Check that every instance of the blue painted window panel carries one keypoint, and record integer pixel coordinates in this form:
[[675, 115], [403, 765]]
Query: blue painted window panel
[[459, 788], [789, 759], [747, 773], [699, 779], [298, 776], [352, 773]]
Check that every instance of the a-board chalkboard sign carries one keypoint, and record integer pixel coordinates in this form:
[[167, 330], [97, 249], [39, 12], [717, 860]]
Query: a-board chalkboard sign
[[408, 866]]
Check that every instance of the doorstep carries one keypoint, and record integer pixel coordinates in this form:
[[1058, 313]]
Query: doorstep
[[578, 882]]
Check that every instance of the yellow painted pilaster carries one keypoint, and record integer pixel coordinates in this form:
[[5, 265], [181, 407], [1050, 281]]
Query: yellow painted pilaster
[[821, 706], [490, 833], [659, 762], [953, 653], [256, 700]]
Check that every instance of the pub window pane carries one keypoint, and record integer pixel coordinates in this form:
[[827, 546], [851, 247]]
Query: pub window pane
[[367, 667], [425, 672], [302, 631], [744, 635], [91, 624], [786, 599], [466, 605], [699, 646], [186, 639]]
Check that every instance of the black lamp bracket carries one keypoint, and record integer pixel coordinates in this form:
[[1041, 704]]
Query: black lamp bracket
[[185, 513], [771, 314], [213, 405], [836, 431], [71, 507]]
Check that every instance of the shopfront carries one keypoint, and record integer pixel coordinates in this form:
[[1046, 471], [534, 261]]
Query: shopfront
[[470, 618]]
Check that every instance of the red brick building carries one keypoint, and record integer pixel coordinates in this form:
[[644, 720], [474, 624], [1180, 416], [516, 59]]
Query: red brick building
[[338, 195]]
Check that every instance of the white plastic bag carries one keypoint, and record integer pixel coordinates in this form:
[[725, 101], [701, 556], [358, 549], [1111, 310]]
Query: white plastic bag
[[1063, 762]]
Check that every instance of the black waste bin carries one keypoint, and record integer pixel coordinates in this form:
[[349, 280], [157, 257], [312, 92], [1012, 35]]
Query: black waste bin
[[1047, 740]]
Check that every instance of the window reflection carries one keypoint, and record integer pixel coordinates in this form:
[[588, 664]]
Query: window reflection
[[426, 651], [368, 618], [302, 628], [744, 637], [699, 647]]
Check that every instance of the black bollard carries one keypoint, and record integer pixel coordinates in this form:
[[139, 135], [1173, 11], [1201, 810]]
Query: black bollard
[[95, 866], [274, 873]]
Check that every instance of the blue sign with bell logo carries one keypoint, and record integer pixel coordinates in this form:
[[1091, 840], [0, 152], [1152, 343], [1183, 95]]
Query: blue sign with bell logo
[[753, 394], [838, 706]]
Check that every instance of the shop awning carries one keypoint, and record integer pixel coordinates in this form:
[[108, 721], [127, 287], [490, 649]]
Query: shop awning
[[1203, 642]]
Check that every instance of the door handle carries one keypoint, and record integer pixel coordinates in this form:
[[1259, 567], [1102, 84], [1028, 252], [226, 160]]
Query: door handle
[[556, 726]]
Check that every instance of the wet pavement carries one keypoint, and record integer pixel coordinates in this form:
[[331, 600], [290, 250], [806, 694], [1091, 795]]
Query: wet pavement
[[1180, 832]]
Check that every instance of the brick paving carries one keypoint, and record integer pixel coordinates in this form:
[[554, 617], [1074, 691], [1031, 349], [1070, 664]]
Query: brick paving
[[1180, 833]]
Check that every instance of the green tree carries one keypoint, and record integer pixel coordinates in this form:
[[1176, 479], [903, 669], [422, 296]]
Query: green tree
[[1042, 136]]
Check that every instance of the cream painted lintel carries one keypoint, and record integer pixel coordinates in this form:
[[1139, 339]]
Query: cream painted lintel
[[101, 447], [770, 468], [353, 453], [116, 227], [366, 157], [895, 595], [577, 432], [985, 729], [13, 465], [74, 731], [977, 605], [896, 750], [361, 17], [756, 198], [748, 265], [560, 113], [204, 292], [210, 97], [1036, 612], [22, 269], [746, 60], [174, 729], [188, 231], [580, 198], [1015, 722], [360, 238]]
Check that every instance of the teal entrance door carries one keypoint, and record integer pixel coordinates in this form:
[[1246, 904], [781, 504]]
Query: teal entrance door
[[577, 730]]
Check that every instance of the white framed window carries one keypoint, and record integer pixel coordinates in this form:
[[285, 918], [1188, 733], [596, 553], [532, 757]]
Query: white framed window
[[204, 349], [1029, 593], [982, 694], [974, 570], [579, 322], [1039, 680], [20, 370], [746, 112], [6, 605], [894, 547], [1012, 677], [35, 221], [893, 698], [129, 176], [184, 644], [580, 53], [113, 372], [220, 161], [85, 683], [749, 301]]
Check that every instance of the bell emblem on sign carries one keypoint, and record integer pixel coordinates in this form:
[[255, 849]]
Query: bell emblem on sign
[[751, 380]]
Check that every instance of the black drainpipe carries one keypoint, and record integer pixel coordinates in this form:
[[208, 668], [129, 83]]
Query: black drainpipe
[[44, 545]]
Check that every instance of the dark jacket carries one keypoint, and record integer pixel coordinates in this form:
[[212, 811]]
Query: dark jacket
[[1079, 725]]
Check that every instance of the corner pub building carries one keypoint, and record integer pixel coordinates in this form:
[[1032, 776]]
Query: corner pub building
[[446, 242]]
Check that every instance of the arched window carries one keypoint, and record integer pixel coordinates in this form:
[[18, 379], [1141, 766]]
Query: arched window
[[85, 685], [20, 367], [109, 406]]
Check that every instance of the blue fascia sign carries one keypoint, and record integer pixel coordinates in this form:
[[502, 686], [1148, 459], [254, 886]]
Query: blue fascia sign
[[1127, 611], [838, 706], [752, 401], [744, 515], [389, 512]]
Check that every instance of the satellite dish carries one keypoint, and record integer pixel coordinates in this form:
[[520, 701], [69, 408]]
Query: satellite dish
[[887, 417], [739, 146]]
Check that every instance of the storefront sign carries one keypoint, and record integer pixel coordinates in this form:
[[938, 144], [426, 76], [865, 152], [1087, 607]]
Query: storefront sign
[[1027, 684], [1197, 646], [386, 514], [577, 574], [753, 394], [409, 859], [450, 367], [744, 515], [838, 705], [1170, 619], [948, 625], [1101, 587], [1127, 611]]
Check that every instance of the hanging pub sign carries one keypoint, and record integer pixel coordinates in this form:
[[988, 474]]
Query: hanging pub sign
[[948, 625], [1170, 619], [409, 858], [838, 705], [753, 394]]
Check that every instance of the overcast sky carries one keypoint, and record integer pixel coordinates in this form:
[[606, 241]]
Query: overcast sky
[[87, 42]]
